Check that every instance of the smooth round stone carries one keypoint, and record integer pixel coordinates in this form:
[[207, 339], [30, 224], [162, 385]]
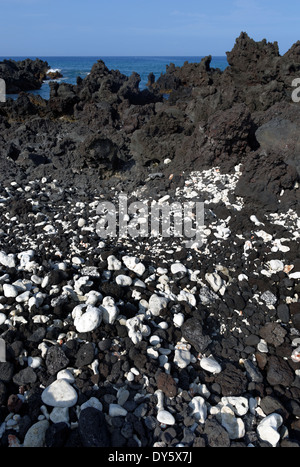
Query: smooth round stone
[[59, 394], [123, 280], [116, 410], [34, 362], [182, 357], [88, 321], [9, 291], [178, 319], [165, 417], [157, 304], [81, 222], [211, 365], [267, 429], [35, 436], [7, 260], [178, 268]]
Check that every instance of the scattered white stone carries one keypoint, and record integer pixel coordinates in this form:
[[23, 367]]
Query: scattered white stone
[[34, 362], [59, 394], [199, 409], [123, 280], [276, 265], [137, 329], [214, 280], [9, 291], [35, 436], [182, 357], [262, 346], [296, 355], [178, 268], [165, 417], [267, 429], [238, 404], [77, 260], [157, 304], [81, 222], [294, 275], [154, 340], [256, 221], [211, 365], [86, 321], [24, 297], [110, 311], [232, 424], [116, 410], [113, 263], [178, 320], [133, 264], [7, 260], [269, 298], [223, 232]]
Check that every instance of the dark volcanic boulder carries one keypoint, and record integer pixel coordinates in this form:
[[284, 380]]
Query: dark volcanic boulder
[[23, 75]]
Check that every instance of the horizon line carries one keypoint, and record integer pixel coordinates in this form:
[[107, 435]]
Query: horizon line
[[116, 56]]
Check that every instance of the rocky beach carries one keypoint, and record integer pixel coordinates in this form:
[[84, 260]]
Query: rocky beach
[[150, 342]]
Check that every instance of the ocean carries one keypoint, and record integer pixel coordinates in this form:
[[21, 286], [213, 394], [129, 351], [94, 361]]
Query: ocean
[[71, 67]]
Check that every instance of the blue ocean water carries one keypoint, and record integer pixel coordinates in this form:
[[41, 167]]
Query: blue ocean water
[[71, 67]]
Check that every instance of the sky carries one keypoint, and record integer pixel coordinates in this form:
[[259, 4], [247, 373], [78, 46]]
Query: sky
[[142, 27]]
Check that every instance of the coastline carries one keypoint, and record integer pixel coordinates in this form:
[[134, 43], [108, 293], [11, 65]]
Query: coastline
[[158, 344]]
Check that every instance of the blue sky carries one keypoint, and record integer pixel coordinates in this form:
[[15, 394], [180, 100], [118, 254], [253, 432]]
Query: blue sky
[[142, 27]]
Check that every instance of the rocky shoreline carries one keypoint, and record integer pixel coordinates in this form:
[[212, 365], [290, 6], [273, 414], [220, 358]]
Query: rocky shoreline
[[144, 342]]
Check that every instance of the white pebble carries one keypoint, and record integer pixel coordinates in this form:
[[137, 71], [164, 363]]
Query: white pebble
[[182, 358], [81, 222], [123, 280], [267, 429], [157, 304], [34, 362], [238, 404], [233, 425], [178, 320], [116, 410], [214, 280], [113, 263], [165, 417], [86, 321], [199, 409], [9, 291], [133, 264], [211, 365], [7, 260], [178, 268], [59, 394]]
